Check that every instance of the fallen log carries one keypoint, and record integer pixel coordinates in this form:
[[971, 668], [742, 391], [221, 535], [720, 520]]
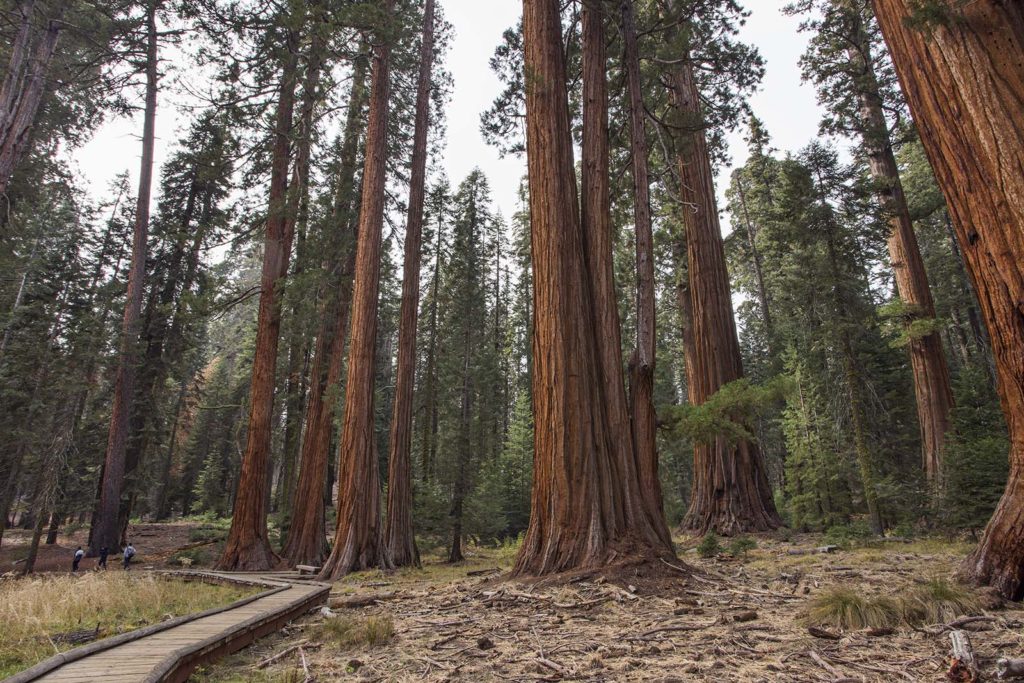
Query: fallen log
[[1009, 668], [963, 668], [813, 551], [823, 634], [360, 600]]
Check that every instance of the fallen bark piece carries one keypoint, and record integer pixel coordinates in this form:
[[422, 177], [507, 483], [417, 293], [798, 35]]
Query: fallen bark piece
[[963, 668], [360, 601], [1009, 668], [822, 633], [879, 632], [483, 572], [745, 615]]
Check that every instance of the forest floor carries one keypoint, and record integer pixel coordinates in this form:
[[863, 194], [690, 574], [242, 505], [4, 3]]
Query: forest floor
[[723, 619]]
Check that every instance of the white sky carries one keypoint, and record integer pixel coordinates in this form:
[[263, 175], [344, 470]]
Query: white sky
[[787, 107]]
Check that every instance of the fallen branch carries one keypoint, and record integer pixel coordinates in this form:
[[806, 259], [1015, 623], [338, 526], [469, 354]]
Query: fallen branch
[[1009, 668], [963, 668], [305, 666], [361, 601], [939, 629], [554, 666], [483, 572], [287, 651], [822, 633]]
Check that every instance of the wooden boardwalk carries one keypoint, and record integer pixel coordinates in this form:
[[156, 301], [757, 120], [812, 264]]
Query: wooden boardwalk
[[172, 650]]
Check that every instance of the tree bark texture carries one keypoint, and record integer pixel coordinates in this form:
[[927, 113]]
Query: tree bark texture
[[107, 529], [932, 389], [579, 517], [730, 487], [307, 540], [24, 85], [641, 366], [358, 541], [965, 87], [247, 547], [398, 529]]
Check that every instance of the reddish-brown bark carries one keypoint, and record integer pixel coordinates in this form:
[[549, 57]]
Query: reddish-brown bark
[[307, 541], [247, 547], [23, 86], [730, 486], [358, 541], [965, 86], [398, 530], [641, 366], [579, 506], [106, 531], [932, 390]]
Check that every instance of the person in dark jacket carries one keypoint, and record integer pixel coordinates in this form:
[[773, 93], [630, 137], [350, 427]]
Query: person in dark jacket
[[102, 564]]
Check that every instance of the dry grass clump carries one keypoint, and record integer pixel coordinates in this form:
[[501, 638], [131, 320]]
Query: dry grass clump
[[936, 601], [348, 632], [847, 609], [36, 609]]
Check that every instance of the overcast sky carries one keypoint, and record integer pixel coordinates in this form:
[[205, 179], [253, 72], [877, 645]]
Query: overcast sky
[[787, 107]]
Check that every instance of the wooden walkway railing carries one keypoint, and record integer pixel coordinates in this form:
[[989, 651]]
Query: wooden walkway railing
[[171, 650]]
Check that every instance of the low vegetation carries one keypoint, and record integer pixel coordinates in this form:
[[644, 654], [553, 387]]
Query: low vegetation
[[38, 613], [934, 601], [350, 632]]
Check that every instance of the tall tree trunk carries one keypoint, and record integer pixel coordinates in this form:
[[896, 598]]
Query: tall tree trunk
[[965, 88], [298, 213], [307, 540], [107, 532], [641, 366], [398, 532], [730, 487], [247, 546], [358, 541], [24, 86], [463, 456], [580, 517], [934, 396], [430, 422], [750, 232]]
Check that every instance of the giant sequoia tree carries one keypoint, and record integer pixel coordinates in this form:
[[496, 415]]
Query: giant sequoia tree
[[854, 81], [581, 515], [398, 530], [106, 531], [358, 541], [730, 487], [247, 546], [962, 78]]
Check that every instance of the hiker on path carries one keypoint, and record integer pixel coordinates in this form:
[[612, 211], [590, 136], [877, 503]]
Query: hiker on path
[[102, 564], [79, 554], [129, 553]]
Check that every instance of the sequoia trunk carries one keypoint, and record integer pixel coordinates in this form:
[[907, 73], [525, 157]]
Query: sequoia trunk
[[398, 532], [965, 88], [358, 542], [730, 487], [247, 547], [106, 531], [934, 396], [579, 506], [307, 541]]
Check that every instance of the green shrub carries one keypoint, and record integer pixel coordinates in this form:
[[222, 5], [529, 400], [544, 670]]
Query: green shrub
[[846, 535], [709, 546], [741, 545]]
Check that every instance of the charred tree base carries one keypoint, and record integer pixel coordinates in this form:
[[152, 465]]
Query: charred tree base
[[999, 559]]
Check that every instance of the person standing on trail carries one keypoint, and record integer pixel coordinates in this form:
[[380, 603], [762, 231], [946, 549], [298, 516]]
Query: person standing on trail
[[102, 564], [129, 553], [79, 554]]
